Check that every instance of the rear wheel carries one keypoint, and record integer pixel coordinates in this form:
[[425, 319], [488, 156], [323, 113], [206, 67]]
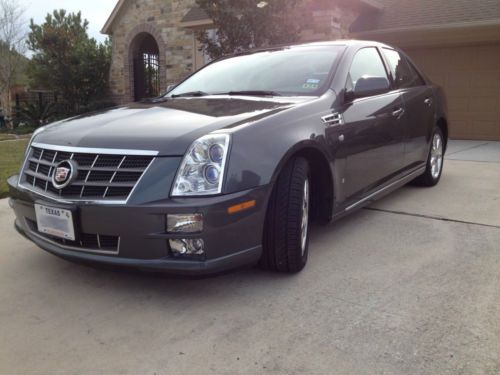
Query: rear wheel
[[435, 161], [286, 228]]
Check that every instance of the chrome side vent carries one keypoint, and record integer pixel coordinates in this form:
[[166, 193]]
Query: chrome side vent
[[334, 119]]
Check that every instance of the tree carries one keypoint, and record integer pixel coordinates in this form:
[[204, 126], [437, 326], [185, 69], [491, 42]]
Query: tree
[[12, 48], [37, 114], [246, 24], [66, 60]]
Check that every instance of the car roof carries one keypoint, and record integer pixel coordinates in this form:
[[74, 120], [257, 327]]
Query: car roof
[[339, 42]]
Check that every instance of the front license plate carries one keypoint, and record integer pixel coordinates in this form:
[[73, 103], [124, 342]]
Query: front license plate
[[54, 221]]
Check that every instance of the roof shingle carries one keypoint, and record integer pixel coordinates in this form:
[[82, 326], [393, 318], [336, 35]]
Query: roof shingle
[[413, 13], [195, 14]]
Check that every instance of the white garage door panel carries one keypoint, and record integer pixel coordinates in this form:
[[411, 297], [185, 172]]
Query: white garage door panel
[[470, 76]]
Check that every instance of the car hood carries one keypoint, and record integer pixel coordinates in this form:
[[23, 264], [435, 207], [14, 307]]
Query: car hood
[[168, 126]]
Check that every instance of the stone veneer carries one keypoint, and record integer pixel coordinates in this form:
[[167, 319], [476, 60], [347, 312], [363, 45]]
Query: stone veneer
[[162, 19]]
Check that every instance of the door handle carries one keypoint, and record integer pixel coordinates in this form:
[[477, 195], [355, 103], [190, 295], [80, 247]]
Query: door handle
[[428, 102], [398, 112]]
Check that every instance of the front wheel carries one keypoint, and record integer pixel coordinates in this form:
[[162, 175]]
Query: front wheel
[[286, 228], [435, 161]]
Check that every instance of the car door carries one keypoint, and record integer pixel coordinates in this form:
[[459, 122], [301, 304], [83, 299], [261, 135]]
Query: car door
[[419, 104], [372, 137]]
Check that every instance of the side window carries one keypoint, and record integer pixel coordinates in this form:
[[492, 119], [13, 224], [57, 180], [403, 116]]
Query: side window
[[416, 77], [366, 63], [403, 74]]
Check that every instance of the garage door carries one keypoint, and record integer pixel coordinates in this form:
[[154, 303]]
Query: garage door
[[470, 76]]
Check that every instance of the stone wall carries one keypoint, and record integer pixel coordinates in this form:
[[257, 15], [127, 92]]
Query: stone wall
[[324, 20], [162, 18]]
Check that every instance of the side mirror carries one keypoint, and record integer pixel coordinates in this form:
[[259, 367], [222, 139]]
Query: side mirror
[[369, 86], [171, 87]]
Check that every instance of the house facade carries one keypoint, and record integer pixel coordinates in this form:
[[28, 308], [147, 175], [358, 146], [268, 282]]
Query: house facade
[[161, 34], [455, 42]]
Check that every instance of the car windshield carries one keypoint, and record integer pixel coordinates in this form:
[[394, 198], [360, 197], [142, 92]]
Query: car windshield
[[292, 71]]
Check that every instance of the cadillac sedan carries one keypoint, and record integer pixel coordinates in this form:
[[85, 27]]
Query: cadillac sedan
[[230, 167]]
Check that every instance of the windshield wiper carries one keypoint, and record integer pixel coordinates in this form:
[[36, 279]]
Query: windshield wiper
[[250, 93], [190, 94], [231, 93]]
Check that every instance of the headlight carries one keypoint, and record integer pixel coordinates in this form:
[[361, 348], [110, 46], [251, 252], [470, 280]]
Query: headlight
[[202, 169]]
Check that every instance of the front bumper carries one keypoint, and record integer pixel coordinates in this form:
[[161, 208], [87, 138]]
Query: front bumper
[[231, 240]]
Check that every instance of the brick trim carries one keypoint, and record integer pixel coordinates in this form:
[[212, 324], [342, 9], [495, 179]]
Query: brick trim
[[129, 63]]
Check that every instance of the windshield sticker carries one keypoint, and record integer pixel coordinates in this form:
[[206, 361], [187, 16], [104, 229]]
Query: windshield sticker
[[310, 86]]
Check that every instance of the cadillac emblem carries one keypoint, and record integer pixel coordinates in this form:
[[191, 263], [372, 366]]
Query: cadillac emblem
[[64, 174]]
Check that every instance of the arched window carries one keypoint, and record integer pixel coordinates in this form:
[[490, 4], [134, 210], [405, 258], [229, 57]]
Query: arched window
[[146, 60]]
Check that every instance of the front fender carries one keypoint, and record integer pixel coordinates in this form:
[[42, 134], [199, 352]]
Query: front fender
[[260, 150], [303, 148]]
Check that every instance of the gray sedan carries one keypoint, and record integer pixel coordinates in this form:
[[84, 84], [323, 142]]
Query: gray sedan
[[229, 168]]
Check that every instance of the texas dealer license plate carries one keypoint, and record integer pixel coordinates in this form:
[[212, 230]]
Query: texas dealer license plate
[[56, 222]]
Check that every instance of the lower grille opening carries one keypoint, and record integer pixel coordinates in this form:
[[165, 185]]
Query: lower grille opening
[[87, 241]]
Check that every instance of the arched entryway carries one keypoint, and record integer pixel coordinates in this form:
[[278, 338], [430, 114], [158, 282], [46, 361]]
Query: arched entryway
[[146, 66]]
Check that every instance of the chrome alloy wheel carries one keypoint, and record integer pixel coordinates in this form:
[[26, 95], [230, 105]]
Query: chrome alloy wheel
[[436, 155], [305, 217]]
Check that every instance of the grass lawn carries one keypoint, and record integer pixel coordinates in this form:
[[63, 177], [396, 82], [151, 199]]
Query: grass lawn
[[11, 157], [4, 137]]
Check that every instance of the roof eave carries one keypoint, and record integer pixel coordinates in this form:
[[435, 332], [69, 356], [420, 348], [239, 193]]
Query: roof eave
[[106, 29], [430, 27], [453, 33], [197, 24], [373, 4]]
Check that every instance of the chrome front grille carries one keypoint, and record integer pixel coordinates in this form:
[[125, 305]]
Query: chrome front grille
[[103, 175]]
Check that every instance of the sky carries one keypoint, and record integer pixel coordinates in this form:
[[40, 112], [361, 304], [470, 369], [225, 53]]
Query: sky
[[95, 11]]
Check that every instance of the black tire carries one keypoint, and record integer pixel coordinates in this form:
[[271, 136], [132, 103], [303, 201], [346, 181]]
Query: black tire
[[428, 179], [283, 249]]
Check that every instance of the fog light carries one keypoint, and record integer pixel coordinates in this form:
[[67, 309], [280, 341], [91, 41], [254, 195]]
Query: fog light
[[185, 223], [187, 246]]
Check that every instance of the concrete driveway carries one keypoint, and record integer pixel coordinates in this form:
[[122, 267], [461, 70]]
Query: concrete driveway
[[410, 285]]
